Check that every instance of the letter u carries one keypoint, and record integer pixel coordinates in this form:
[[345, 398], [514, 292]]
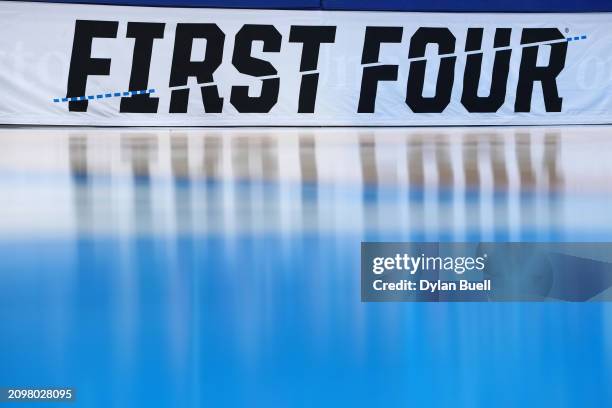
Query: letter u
[[473, 70]]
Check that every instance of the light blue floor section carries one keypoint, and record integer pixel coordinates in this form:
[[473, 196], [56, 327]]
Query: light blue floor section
[[267, 316]]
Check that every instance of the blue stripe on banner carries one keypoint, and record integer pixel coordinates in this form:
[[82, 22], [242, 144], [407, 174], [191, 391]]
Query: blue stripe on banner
[[577, 38], [105, 95]]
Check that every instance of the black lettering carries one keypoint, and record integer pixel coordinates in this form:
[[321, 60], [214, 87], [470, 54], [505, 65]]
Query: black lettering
[[473, 70], [547, 75], [311, 37], [183, 67], [248, 65], [144, 35], [446, 74], [371, 76], [81, 63]]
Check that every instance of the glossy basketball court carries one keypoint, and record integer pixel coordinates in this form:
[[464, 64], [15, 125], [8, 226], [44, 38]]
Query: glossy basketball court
[[218, 266]]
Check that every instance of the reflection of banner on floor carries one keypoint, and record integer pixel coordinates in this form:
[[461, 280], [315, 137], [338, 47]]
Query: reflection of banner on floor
[[113, 65]]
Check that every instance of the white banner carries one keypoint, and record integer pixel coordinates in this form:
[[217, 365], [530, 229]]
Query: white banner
[[112, 65]]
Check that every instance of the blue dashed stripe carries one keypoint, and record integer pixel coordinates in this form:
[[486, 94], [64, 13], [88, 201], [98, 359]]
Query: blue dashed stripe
[[576, 38], [104, 95]]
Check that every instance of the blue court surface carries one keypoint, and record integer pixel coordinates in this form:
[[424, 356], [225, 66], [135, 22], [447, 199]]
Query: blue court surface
[[220, 267]]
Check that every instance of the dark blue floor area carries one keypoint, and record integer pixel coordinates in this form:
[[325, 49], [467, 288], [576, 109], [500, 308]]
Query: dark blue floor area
[[270, 320]]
